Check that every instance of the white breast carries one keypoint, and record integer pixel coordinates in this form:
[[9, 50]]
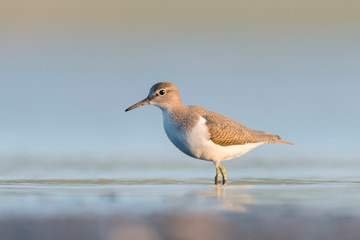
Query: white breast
[[196, 142], [176, 135]]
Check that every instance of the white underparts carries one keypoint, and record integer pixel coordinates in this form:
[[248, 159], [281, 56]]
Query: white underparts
[[196, 142]]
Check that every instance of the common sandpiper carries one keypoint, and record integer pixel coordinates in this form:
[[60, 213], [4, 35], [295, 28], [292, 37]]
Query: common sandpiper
[[202, 134]]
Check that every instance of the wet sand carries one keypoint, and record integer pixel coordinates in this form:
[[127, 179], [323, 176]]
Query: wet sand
[[278, 203], [92, 210], [259, 222]]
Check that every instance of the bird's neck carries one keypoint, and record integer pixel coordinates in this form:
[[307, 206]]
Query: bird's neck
[[176, 111]]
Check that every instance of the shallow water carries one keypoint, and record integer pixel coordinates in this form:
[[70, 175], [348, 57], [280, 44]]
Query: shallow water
[[72, 188]]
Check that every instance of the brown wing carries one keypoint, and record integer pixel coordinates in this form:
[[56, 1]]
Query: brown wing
[[226, 132]]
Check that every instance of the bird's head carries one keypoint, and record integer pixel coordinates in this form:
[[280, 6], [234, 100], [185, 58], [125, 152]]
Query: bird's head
[[164, 95]]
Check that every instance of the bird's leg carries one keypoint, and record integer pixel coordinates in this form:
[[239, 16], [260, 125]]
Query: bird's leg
[[217, 176], [223, 173]]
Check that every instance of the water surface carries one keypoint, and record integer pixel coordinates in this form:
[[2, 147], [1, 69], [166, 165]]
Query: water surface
[[72, 188]]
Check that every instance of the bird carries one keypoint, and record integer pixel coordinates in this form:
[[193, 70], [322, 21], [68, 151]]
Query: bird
[[203, 134]]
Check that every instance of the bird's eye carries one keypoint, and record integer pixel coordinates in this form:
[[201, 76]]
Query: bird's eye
[[162, 92]]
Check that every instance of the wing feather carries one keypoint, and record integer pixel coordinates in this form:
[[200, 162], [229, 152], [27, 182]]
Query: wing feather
[[226, 132]]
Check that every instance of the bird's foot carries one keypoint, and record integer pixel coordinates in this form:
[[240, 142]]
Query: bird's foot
[[217, 179], [223, 173], [217, 176]]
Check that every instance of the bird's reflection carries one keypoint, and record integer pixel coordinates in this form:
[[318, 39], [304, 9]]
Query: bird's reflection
[[233, 198]]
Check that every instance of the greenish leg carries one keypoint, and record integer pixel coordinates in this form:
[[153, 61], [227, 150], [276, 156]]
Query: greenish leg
[[217, 176], [223, 173]]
